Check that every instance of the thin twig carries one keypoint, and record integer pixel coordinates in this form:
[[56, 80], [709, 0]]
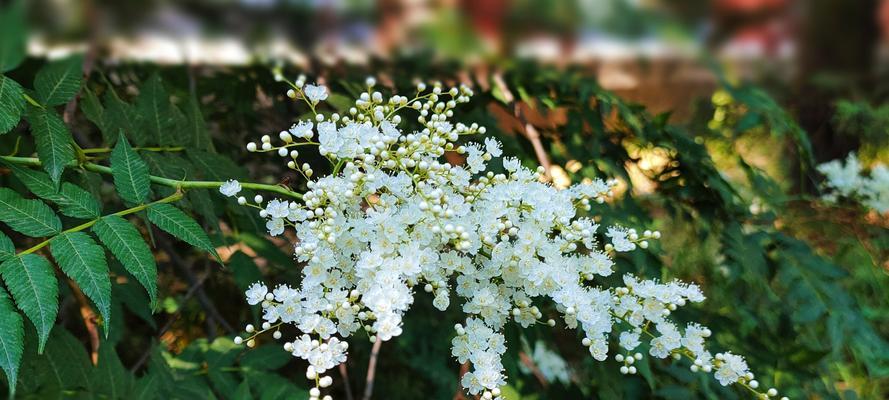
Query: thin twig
[[458, 395], [89, 320], [528, 130], [371, 369], [525, 359], [211, 312], [344, 373], [191, 291], [532, 135], [89, 61]]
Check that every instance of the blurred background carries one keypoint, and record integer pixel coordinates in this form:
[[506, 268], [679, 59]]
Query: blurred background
[[712, 114], [659, 53]]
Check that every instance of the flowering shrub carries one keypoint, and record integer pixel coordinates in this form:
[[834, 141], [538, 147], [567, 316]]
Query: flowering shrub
[[847, 180], [393, 216]]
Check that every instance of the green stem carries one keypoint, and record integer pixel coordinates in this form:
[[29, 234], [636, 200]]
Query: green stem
[[108, 149], [336, 169], [169, 199], [178, 184]]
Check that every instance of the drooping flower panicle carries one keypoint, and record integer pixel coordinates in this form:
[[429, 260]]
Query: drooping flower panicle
[[394, 218]]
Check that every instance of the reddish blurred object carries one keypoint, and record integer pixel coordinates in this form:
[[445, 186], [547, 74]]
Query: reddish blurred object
[[487, 17], [757, 27], [749, 6], [883, 19]]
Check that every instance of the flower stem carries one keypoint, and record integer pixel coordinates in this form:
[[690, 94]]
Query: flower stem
[[178, 184]]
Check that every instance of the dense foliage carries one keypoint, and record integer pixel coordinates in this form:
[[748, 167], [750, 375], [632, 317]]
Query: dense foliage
[[101, 173]]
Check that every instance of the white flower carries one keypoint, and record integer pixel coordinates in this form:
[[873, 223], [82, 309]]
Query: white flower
[[492, 146], [878, 189], [845, 179], [303, 129], [629, 340], [619, 239], [850, 181], [275, 226], [278, 209], [398, 220], [663, 345], [475, 158], [511, 164], [315, 93], [731, 368], [256, 293], [230, 188]]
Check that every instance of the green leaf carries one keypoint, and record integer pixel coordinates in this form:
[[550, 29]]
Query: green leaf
[[194, 129], [37, 182], [120, 117], [175, 222], [77, 202], [158, 367], [146, 388], [243, 392], [202, 203], [130, 172], [340, 102], [266, 358], [33, 285], [7, 249], [222, 354], [84, 261], [53, 141], [155, 111], [13, 36], [92, 109], [167, 165], [273, 386], [110, 376], [134, 298], [28, 217], [215, 167], [73, 201], [244, 270], [12, 103], [12, 340], [59, 81], [67, 364], [127, 245]]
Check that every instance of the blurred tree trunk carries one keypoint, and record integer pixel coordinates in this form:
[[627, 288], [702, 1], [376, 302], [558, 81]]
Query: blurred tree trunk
[[837, 41]]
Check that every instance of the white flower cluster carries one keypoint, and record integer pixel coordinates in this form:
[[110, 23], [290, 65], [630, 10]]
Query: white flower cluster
[[393, 217], [847, 180]]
